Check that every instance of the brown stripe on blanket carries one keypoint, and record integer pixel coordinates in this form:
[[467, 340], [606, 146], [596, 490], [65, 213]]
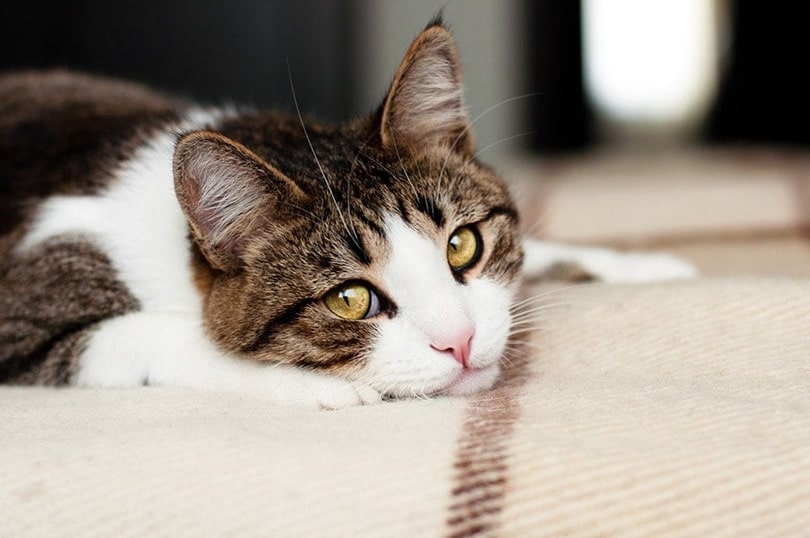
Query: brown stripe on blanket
[[481, 463]]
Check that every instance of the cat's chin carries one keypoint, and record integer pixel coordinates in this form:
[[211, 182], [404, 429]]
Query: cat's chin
[[473, 380]]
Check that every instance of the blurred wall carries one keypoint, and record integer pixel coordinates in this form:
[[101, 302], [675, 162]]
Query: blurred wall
[[489, 36], [522, 59], [342, 55], [213, 50]]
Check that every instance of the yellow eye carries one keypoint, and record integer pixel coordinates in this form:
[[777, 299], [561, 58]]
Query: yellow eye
[[463, 248], [353, 301]]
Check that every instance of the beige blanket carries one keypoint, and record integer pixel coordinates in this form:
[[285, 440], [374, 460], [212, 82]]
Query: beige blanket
[[678, 409]]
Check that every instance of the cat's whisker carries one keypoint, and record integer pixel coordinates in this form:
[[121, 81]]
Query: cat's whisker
[[533, 322], [350, 175], [537, 226], [529, 302], [512, 357], [540, 310], [531, 310], [416, 192], [401, 163], [506, 360], [522, 331], [497, 143], [300, 209], [383, 166], [553, 300], [542, 313], [348, 197], [520, 348], [546, 293], [525, 330], [374, 161], [526, 191], [535, 325], [469, 126], [349, 231], [514, 345], [523, 345]]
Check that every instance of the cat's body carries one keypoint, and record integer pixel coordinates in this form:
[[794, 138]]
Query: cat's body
[[144, 240]]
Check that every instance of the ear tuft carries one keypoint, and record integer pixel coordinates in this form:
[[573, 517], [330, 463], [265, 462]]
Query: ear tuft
[[425, 105], [437, 20], [226, 192]]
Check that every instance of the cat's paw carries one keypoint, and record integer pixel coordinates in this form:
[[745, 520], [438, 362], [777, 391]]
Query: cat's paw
[[339, 394], [566, 262], [639, 267], [314, 390]]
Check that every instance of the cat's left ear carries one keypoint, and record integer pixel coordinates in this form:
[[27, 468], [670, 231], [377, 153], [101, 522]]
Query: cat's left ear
[[425, 105], [227, 192]]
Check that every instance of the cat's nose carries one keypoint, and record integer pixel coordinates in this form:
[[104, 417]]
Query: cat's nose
[[457, 343]]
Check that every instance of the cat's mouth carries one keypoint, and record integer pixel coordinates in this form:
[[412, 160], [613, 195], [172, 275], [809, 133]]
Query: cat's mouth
[[472, 380]]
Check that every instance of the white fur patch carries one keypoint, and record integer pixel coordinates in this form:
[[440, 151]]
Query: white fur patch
[[431, 303], [138, 223]]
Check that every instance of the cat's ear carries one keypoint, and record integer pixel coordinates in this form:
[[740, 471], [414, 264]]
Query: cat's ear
[[425, 105], [226, 192]]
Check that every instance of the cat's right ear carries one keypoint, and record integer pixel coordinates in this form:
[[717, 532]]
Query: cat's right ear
[[425, 104], [227, 192]]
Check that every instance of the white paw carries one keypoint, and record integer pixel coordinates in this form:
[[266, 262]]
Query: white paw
[[637, 267], [334, 393], [541, 257], [305, 388]]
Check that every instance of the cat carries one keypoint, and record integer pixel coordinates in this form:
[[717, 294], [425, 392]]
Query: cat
[[147, 241]]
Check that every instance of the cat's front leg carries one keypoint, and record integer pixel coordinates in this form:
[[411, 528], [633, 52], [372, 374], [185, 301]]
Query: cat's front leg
[[545, 259], [170, 349]]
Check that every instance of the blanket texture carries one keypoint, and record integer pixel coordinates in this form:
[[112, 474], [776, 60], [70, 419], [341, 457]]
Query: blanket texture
[[673, 409]]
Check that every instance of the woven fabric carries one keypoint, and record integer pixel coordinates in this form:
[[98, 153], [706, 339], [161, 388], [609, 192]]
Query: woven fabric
[[677, 409]]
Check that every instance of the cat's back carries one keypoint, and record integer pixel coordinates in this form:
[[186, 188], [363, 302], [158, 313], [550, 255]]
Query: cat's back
[[63, 132], [26, 94]]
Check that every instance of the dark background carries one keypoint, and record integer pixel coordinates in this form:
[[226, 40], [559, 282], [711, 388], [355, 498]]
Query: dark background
[[234, 49], [240, 49]]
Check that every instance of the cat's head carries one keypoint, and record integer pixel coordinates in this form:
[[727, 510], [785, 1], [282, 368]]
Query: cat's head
[[380, 250]]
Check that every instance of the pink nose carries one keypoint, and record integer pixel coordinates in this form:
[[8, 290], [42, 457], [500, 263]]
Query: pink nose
[[458, 344]]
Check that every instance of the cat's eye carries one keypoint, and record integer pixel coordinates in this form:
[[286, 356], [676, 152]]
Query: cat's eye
[[353, 301], [463, 248]]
